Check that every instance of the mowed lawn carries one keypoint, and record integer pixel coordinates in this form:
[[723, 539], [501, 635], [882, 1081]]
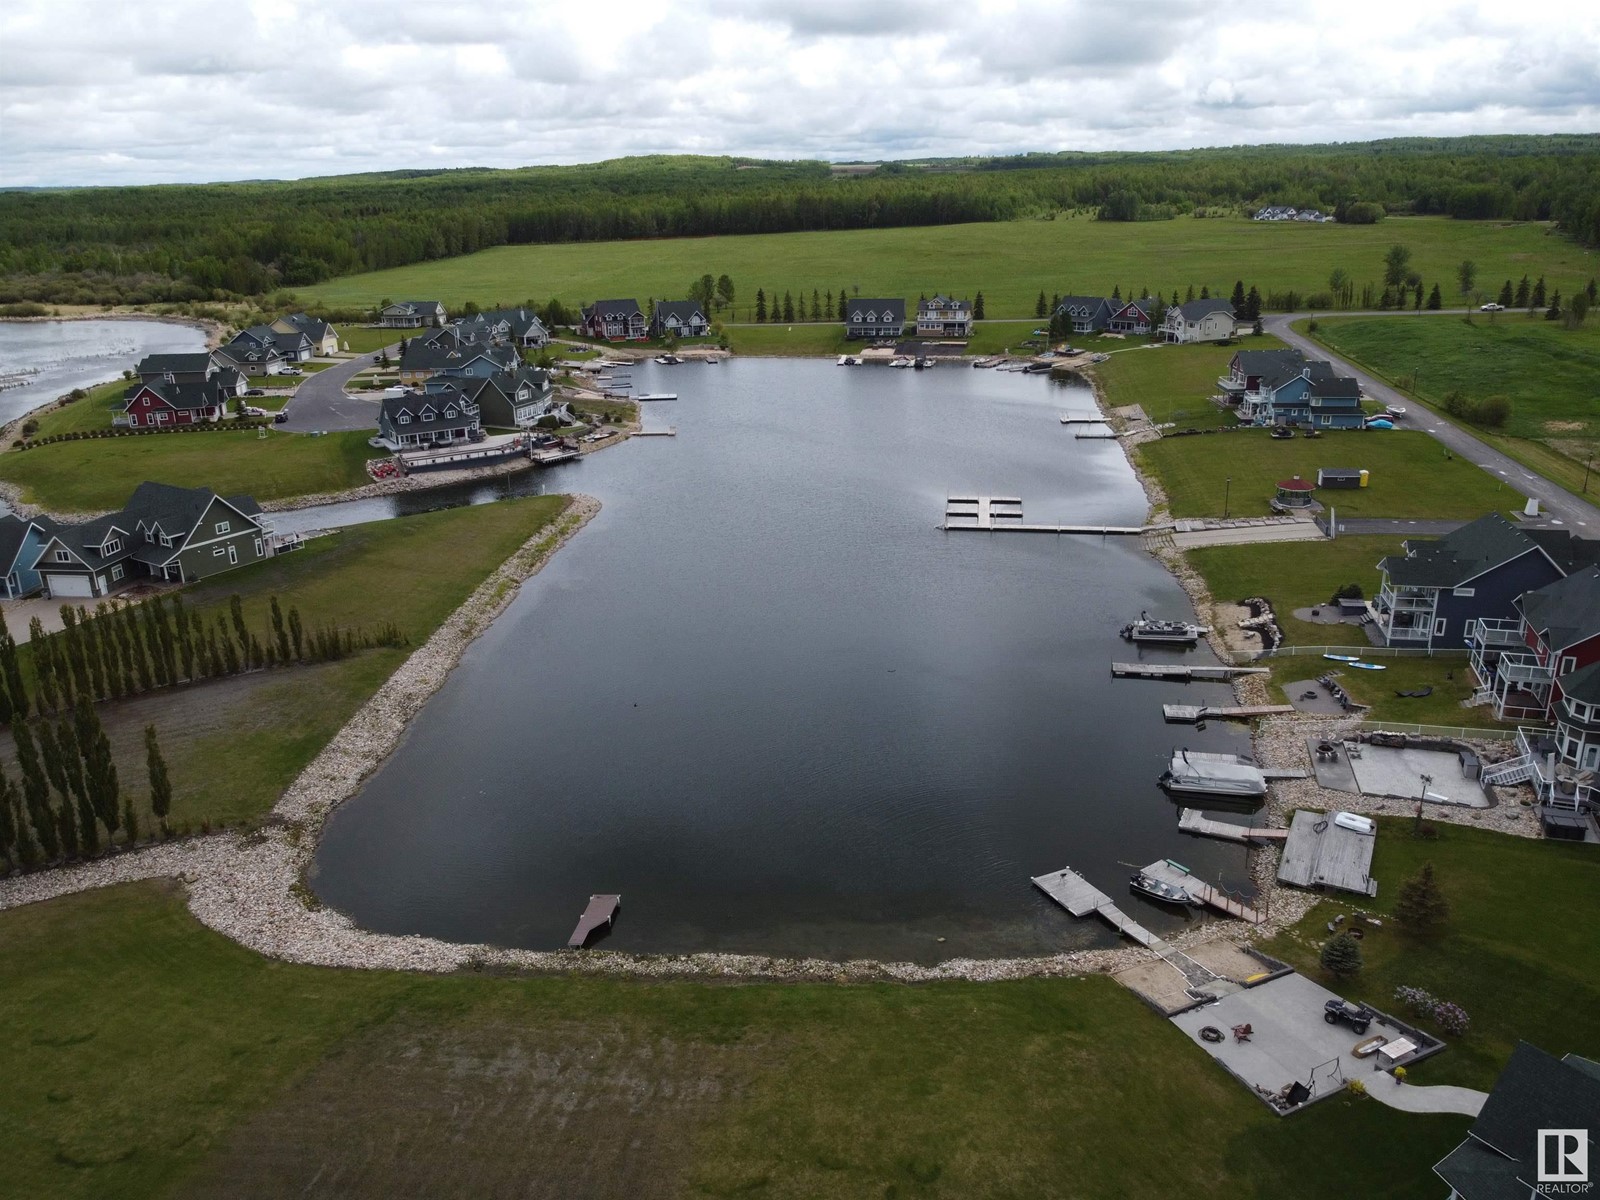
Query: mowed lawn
[[145, 1054], [94, 411], [233, 744], [1174, 383], [95, 475], [1411, 477], [1508, 956], [1010, 262], [1550, 374]]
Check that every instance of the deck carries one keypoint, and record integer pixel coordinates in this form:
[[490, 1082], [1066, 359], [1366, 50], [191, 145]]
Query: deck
[[1327, 857], [1193, 820], [1191, 714], [1122, 670], [602, 910], [1212, 897]]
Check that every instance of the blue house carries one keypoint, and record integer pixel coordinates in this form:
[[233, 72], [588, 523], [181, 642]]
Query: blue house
[[20, 544], [1433, 596], [1292, 390]]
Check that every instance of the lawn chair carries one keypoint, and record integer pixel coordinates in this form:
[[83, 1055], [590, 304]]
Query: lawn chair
[[1241, 1033], [1352, 749]]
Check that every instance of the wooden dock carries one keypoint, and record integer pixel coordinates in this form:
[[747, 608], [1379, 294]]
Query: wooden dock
[[1122, 670], [602, 910], [547, 458], [1322, 854], [1190, 714], [1097, 436], [670, 431], [1170, 872], [1082, 419], [1192, 820]]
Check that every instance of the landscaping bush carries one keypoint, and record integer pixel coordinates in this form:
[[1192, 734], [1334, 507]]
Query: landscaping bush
[[1415, 1000], [1452, 1018], [1341, 955]]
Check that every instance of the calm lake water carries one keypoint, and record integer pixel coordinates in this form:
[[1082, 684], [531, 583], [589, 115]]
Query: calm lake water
[[764, 698], [74, 354]]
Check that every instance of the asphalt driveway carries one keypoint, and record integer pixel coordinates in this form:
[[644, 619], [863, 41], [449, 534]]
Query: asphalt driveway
[[322, 403]]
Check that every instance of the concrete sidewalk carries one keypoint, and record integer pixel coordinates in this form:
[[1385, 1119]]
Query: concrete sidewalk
[[1442, 1099]]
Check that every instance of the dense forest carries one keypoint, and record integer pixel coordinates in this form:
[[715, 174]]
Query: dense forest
[[217, 241]]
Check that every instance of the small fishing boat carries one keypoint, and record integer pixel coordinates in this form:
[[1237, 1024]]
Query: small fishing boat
[[904, 362], [1158, 889], [1163, 633], [668, 360]]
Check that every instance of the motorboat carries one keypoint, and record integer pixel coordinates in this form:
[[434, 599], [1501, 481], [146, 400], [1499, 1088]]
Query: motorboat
[[1163, 633], [903, 362], [922, 362], [849, 360], [1221, 776], [1355, 823], [1158, 889], [1397, 411], [668, 360]]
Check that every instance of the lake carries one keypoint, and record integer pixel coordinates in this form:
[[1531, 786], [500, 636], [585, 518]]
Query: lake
[[768, 701], [80, 354]]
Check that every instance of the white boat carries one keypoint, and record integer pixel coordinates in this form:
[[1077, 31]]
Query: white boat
[[1355, 823], [904, 362], [1212, 776], [1396, 411], [668, 360], [656, 396], [849, 360]]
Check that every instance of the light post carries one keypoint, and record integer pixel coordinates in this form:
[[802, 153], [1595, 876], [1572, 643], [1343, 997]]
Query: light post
[[1587, 467], [1417, 829], [1227, 488]]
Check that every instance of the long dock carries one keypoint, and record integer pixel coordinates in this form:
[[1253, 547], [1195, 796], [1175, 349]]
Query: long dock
[[1080, 898], [670, 431], [1082, 419], [602, 910], [1107, 436], [994, 514], [1170, 872], [1193, 820], [1123, 670], [1190, 714]]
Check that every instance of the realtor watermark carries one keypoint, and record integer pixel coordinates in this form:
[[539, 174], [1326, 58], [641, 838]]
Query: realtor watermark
[[1564, 1162]]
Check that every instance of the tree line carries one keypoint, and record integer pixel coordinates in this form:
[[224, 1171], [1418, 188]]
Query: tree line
[[223, 241]]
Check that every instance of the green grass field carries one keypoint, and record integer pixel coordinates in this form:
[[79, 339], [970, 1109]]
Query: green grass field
[[366, 339], [1410, 475], [1174, 383], [1010, 262], [1519, 972], [147, 1055], [90, 476], [94, 411]]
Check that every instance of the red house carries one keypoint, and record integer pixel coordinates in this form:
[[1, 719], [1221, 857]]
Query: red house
[[163, 404]]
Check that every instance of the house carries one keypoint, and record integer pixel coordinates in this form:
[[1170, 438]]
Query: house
[[678, 318], [424, 361], [614, 320], [1283, 387], [249, 357], [519, 326], [177, 368], [1198, 321], [293, 344], [324, 338], [870, 318], [1086, 314], [511, 399], [412, 314], [943, 317], [165, 532], [1440, 590], [418, 420], [1534, 1138], [21, 542], [163, 404], [1136, 316], [1248, 368], [1274, 212]]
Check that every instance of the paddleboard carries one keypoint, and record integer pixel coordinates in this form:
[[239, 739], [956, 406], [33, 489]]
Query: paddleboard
[[1369, 666], [1346, 658]]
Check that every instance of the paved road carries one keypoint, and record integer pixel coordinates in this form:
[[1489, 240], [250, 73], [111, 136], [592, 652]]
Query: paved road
[[1561, 505], [321, 403]]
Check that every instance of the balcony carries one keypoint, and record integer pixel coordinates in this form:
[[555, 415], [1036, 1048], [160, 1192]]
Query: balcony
[[1488, 632]]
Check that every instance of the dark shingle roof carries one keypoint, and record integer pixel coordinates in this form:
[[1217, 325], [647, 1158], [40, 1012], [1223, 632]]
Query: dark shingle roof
[[1583, 685], [615, 309], [83, 539], [1468, 552], [685, 310], [857, 308], [1193, 310], [1271, 362], [1567, 611], [13, 533], [197, 363], [184, 395], [944, 302]]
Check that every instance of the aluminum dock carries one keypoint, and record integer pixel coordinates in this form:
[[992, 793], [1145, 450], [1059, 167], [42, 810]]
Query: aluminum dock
[[995, 514], [1193, 820], [1191, 714], [1123, 670]]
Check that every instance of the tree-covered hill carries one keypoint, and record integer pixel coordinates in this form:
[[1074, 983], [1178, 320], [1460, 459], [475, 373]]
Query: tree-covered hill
[[212, 241]]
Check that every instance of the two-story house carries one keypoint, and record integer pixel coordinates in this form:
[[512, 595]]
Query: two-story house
[[248, 357], [324, 338], [1441, 589], [615, 321], [21, 542], [678, 318], [292, 343], [412, 314], [423, 362], [511, 399], [419, 420], [1085, 314], [177, 368], [1135, 316], [162, 404], [874, 318], [519, 326], [1295, 390], [1198, 321], [943, 317], [1249, 368]]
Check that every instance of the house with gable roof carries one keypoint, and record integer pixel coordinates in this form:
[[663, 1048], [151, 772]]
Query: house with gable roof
[[1136, 316], [412, 314], [518, 326], [249, 357], [615, 321], [419, 420], [866, 317], [1198, 321], [324, 338], [422, 361], [679, 318], [162, 404], [177, 368], [944, 317], [1085, 314], [21, 542], [1283, 387], [293, 344]]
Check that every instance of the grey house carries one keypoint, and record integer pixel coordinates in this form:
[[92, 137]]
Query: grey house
[[416, 420], [512, 399], [1198, 321], [679, 318], [412, 314], [874, 318], [177, 368], [1086, 314]]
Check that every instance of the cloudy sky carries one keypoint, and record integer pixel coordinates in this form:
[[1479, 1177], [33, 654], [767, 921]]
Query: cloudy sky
[[156, 91]]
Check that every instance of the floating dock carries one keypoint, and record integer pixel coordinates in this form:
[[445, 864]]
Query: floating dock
[[1322, 854], [601, 912], [670, 431], [1082, 419], [1193, 820], [642, 396], [1190, 714], [1122, 670], [1170, 872], [1080, 898], [1107, 436], [553, 455], [983, 510]]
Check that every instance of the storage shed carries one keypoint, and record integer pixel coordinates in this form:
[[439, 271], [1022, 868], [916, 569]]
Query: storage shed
[[1341, 477]]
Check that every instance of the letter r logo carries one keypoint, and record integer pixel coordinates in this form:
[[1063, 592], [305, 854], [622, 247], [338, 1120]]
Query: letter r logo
[[1563, 1156]]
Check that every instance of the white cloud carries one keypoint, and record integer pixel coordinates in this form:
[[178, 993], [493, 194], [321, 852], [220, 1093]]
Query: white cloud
[[92, 93]]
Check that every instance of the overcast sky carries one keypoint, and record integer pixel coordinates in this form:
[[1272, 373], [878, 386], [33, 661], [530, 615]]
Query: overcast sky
[[159, 91]]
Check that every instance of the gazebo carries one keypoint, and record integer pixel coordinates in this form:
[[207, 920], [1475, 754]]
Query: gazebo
[[1294, 493]]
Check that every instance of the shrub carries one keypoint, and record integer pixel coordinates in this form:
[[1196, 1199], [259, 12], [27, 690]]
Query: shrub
[[1452, 1018], [1415, 1000], [1341, 955]]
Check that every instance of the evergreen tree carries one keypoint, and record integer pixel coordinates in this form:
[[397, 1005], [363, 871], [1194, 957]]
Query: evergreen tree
[[230, 649], [1417, 298], [1524, 290], [1205, 292], [26, 848], [1252, 304], [279, 632], [72, 766], [76, 662], [977, 307], [1435, 300], [1537, 299], [1189, 295], [44, 665], [1174, 303], [827, 306], [1238, 295], [1341, 955], [184, 633], [1041, 309], [1553, 313], [761, 304], [106, 644], [165, 643], [99, 771], [1116, 294], [788, 306], [119, 632], [11, 668], [816, 306], [296, 633], [240, 629], [90, 637], [1420, 904], [8, 823], [1507, 296], [160, 784], [141, 651], [130, 823], [152, 642], [36, 791]]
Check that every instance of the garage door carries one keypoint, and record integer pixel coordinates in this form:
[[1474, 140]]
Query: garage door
[[69, 585]]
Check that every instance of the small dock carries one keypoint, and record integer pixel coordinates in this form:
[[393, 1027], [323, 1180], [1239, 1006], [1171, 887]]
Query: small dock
[[669, 431], [1321, 854], [982, 510], [1104, 435], [1193, 820], [643, 396], [1190, 714], [1122, 670], [553, 455], [1170, 872], [1082, 419], [601, 912]]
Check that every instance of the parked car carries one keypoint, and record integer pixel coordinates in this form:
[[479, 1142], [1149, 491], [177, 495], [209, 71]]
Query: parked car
[[1492, 307], [256, 392], [250, 410], [291, 371], [1342, 1012], [281, 418]]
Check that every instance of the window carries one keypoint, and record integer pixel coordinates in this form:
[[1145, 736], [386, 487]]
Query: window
[[111, 546], [116, 572], [1438, 627], [1568, 665], [166, 539], [218, 551], [261, 550], [405, 418], [63, 556], [1465, 592], [223, 526]]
